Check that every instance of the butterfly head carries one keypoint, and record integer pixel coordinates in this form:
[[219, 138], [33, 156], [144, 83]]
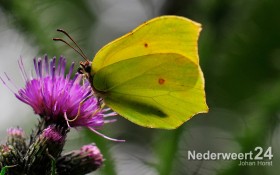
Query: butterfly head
[[85, 69]]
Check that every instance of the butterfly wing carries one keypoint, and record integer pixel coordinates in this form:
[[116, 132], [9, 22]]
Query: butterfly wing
[[157, 90], [165, 34]]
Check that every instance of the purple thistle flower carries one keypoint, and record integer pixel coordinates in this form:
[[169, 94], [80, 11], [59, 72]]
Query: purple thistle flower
[[57, 98]]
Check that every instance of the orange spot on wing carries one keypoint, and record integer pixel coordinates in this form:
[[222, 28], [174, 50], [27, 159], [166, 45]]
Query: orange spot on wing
[[146, 45], [161, 81]]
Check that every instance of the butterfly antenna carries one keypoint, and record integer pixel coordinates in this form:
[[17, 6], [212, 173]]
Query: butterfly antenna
[[80, 51], [62, 40]]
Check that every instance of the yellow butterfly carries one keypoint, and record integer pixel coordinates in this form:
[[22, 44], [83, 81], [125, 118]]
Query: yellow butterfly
[[151, 76]]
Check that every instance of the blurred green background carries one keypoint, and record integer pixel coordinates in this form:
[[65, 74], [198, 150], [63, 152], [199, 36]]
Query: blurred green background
[[239, 52]]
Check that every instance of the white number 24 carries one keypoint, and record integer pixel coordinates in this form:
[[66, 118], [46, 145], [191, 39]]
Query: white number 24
[[267, 153]]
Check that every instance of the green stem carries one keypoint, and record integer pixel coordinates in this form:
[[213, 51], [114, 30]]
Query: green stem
[[104, 145], [167, 150]]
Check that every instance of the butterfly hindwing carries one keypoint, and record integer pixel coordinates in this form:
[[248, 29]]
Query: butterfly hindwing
[[157, 90]]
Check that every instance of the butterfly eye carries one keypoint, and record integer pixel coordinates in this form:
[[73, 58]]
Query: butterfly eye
[[88, 68], [80, 70]]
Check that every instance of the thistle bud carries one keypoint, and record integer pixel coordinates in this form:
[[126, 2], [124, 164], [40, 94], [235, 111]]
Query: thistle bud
[[16, 138], [47, 146], [80, 162], [9, 156]]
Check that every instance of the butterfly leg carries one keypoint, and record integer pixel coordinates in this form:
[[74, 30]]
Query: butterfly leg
[[79, 109], [100, 105]]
